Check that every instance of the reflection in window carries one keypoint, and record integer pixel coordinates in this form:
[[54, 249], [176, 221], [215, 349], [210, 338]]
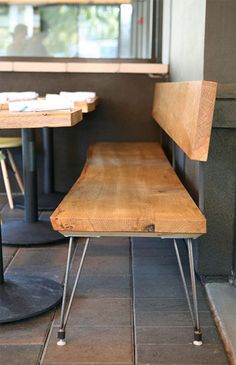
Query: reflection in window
[[86, 31]]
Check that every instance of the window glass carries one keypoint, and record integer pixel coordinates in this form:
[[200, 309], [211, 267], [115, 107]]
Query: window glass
[[85, 31]]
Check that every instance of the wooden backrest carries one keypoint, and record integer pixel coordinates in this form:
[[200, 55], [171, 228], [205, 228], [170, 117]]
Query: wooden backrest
[[184, 110]]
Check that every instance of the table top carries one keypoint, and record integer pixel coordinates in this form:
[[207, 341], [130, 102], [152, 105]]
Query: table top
[[59, 118]]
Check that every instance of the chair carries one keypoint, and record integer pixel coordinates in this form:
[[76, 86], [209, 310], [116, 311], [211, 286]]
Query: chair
[[5, 144]]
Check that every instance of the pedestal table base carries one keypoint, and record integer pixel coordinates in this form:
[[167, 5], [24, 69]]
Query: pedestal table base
[[24, 297]]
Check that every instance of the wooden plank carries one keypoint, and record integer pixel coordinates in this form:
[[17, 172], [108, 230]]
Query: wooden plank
[[185, 111], [58, 118], [128, 188]]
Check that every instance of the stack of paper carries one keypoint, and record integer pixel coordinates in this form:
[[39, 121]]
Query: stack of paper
[[39, 105], [86, 96], [6, 97]]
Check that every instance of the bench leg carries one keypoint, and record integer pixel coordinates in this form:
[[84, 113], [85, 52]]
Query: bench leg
[[193, 312], [65, 312]]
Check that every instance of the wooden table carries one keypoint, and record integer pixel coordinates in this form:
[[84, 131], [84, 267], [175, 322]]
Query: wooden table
[[50, 199], [24, 297], [31, 230]]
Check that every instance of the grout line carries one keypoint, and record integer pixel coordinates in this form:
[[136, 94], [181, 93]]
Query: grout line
[[46, 340], [133, 301], [12, 259]]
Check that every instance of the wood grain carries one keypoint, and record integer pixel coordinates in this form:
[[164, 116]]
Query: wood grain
[[185, 111], [61, 118], [128, 189]]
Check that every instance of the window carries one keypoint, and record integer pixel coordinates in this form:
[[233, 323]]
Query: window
[[122, 30]]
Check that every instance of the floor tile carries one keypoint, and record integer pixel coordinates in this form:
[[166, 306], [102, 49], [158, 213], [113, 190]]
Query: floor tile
[[99, 312], [174, 335], [19, 355], [159, 286], [106, 265], [150, 266], [91, 345], [30, 332], [44, 261], [158, 252], [181, 354], [8, 214], [167, 304], [104, 286], [109, 245], [168, 318]]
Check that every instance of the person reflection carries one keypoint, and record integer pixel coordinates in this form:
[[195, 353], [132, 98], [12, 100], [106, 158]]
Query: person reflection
[[19, 41], [35, 46]]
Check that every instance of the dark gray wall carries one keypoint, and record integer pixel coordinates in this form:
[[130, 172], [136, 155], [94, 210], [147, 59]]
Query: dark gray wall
[[203, 39], [220, 41], [123, 114]]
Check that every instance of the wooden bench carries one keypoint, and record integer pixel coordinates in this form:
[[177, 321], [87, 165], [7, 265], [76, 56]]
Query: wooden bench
[[130, 189]]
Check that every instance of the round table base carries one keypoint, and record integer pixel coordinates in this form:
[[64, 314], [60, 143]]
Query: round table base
[[45, 201], [24, 297], [19, 232]]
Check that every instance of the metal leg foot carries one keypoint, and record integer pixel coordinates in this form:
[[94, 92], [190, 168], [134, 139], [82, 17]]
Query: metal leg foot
[[193, 311], [197, 338], [61, 337], [65, 312]]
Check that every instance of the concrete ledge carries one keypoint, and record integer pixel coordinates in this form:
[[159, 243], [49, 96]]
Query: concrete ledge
[[222, 298]]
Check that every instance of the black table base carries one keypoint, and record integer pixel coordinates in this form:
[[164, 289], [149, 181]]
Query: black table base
[[26, 297], [19, 232], [46, 201]]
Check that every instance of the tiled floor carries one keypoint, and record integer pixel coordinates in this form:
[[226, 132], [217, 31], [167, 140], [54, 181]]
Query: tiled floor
[[129, 308]]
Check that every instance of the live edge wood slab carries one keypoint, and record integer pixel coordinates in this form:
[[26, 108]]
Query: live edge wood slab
[[128, 189], [59, 118]]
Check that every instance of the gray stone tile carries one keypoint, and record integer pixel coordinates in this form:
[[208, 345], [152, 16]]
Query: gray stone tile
[[150, 264], [174, 335], [164, 304], [91, 345], [181, 354], [157, 266], [159, 252], [99, 312], [104, 286], [168, 318], [45, 261], [9, 214], [109, 246], [3, 200], [106, 265], [161, 286], [8, 254], [30, 332], [15, 355], [151, 242]]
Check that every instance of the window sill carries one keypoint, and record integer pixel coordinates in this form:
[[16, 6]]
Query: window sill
[[83, 67]]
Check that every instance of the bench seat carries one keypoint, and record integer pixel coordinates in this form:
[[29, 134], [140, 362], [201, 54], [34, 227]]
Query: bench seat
[[128, 189]]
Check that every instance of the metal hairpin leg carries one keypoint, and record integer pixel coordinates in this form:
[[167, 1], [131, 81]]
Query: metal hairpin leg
[[65, 312], [194, 313]]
